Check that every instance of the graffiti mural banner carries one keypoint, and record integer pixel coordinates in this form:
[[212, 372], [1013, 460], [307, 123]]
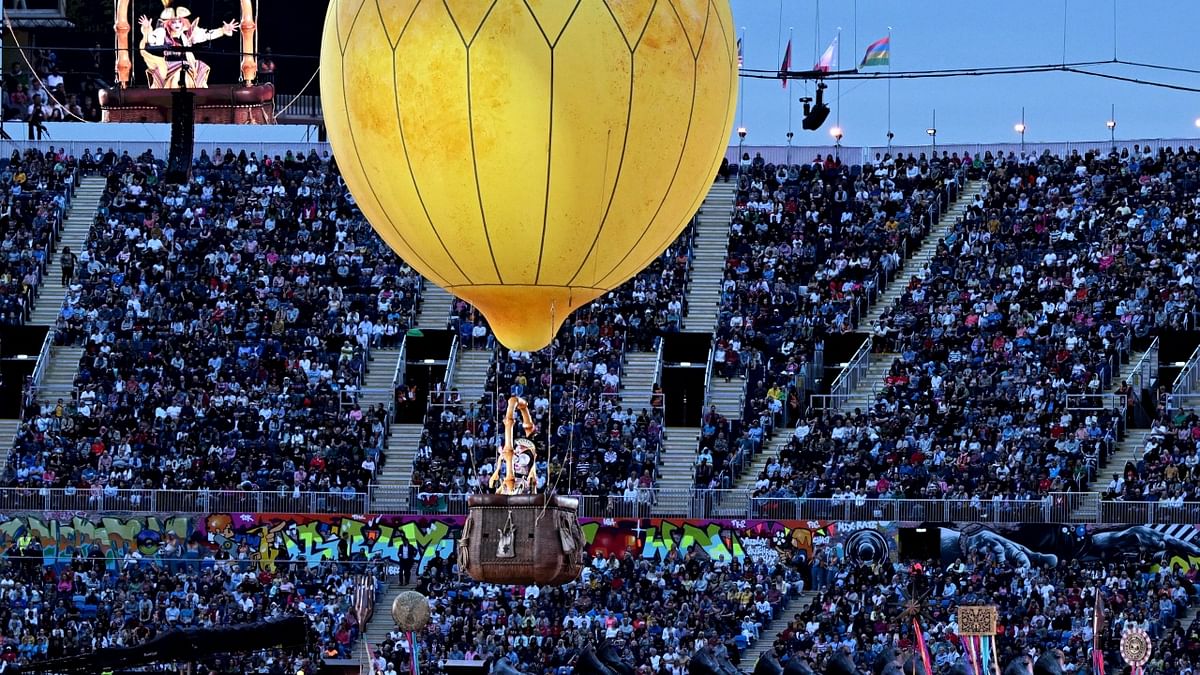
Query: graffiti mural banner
[[271, 538], [1043, 544]]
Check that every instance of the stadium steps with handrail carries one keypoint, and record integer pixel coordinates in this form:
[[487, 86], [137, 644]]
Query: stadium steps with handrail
[[1129, 450], [917, 264], [638, 377], [676, 475], [85, 204], [377, 384], [768, 633], [394, 479], [708, 258], [436, 303], [381, 624]]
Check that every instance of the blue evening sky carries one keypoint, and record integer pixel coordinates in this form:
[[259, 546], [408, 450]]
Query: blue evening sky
[[933, 34]]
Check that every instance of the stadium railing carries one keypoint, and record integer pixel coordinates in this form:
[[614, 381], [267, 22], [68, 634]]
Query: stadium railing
[[1059, 507]]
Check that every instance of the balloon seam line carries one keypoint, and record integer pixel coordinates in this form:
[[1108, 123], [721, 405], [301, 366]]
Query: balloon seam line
[[487, 236], [699, 200], [612, 196], [362, 165], [537, 275], [675, 174], [408, 163]]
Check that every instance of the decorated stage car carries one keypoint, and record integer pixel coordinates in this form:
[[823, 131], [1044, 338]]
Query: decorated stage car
[[170, 51]]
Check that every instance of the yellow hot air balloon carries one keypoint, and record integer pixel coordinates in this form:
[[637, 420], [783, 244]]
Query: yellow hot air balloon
[[528, 155]]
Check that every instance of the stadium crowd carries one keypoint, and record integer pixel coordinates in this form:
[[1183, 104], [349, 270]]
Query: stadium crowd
[[226, 325], [654, 612], [867, 608], [37, 189], [75, 602], [1027, 311], [809, 247]]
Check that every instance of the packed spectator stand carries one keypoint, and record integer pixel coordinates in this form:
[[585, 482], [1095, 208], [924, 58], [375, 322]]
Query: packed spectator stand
[[654, 611], [88, 600], [1031, 303], [226, 325], [810, 248], [37, 189]]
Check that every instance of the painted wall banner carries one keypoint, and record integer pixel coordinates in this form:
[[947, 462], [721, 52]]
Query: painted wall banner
[[267, 539], [1043, 544]]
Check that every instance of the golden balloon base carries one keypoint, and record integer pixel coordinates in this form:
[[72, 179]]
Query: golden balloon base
[[221, 104], [522, 540]]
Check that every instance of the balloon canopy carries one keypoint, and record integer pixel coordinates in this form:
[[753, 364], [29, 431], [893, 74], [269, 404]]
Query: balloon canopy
[[528, 156]]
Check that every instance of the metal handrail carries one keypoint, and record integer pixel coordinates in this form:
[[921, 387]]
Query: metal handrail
[[1061, 507], [451, 364], [1189, 378], [43, 359]]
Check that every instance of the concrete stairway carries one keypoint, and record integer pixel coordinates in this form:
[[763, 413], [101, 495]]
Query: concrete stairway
[[638, 378], [377, 385], [435, 307], [381, 623], [59, 378], [392, 482], [726, 396], [1128, 450], [773, 447], [708, 263], [919, 260], [864, 396], [677, 470], [470, 373], [768, 633], [8, 433], [76, 227]]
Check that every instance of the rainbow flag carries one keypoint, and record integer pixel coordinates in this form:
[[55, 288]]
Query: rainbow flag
[[879, 53]]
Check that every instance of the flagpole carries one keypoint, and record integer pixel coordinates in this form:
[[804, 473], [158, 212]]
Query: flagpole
[[789, 102], [889, 87], [838, 66], [742, 91]]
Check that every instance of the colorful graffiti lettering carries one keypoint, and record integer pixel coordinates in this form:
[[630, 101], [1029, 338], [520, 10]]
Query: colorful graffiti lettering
[[269, 539], [61, 538]]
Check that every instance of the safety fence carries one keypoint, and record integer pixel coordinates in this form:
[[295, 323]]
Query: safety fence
[[1060, 507]]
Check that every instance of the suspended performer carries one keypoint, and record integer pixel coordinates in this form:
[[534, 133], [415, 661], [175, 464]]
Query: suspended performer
[[177, 29]]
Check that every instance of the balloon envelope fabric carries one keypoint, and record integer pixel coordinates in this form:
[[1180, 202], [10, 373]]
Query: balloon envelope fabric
[[529, 155]]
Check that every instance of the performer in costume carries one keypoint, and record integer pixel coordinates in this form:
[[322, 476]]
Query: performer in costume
[[177, 29]]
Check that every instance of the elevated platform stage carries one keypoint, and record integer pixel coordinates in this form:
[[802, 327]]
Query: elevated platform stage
[[220, 104]]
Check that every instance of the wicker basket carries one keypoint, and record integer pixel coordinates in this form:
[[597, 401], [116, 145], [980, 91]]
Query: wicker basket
[[522, 539]]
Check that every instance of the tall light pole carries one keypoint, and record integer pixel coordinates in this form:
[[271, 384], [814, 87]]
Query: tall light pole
[[741, 140], [1112, 127], [1020, 129], [932, 131], [836, 132]]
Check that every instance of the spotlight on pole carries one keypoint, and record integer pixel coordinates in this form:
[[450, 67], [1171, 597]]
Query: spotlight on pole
[[742, 133]]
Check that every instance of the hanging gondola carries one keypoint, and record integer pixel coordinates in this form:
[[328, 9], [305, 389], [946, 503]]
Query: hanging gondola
[[518, 535]]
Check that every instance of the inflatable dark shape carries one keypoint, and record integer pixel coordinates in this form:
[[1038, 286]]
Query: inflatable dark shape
[[503, 667], [190, 644], [914, 666], [1022, 665], [589, 663], [887, 657], [797, 666], [1048, 664], [609, 657], [960, 667], [768, 664], [705, 662], [840, 664]]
